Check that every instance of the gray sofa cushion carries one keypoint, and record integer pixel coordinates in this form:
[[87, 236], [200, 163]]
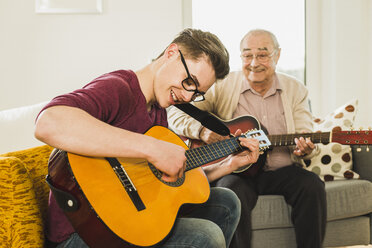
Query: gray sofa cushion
[[348, 198], [345, 198], [271, 211], [343, 232]]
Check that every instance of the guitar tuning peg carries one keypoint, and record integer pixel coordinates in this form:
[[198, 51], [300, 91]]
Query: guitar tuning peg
[[367, 149], [359, 149], [369, 128], [360, 128], [351, 128]]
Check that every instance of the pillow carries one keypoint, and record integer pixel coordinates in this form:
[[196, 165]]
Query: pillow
[[17, 128], [334, 161]]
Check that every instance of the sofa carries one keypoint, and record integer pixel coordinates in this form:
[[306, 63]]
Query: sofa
[[349, 211], [24, 198]]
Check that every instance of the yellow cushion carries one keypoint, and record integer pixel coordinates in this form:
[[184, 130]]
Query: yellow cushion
[[20, 223], [23, 197], [36, 162]]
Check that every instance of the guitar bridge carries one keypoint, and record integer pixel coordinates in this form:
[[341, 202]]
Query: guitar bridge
[[127, 183]]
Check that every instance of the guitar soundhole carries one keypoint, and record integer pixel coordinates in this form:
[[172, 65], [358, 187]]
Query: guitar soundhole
[[158, 175]]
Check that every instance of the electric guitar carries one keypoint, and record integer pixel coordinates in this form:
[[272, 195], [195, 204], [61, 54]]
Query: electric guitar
[[123, 202], [247, 122]]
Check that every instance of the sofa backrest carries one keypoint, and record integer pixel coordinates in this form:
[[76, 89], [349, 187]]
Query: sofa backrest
[[362, 161], [17, 128]]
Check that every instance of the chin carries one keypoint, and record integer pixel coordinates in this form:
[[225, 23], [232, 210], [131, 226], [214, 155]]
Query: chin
[[256, 78], [164, 105]]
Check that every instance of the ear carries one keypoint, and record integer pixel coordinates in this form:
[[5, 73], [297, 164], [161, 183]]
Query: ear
[[172, 49], [277, 56]]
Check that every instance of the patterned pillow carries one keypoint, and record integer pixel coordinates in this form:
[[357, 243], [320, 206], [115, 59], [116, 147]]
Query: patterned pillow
[[334, 161]]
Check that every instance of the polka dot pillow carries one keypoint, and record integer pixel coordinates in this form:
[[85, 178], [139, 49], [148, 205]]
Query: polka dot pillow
[[334, 161]]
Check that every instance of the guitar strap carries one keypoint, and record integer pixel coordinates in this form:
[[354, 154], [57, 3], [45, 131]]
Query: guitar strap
[[205, 118]]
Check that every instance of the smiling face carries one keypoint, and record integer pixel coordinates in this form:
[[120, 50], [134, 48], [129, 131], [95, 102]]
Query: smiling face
[[168, 87], [261, 67]]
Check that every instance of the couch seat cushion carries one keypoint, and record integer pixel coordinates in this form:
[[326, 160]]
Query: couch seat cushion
[[271, 211], [348, 198], [345, 198]]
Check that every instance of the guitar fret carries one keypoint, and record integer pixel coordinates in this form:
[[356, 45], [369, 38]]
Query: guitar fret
[[213, 152], [229, 147], [199, 155], [234, 145], [210, 152], [190, 162], [288, 139], [204, 154], [222, 150], [207, 154], [218, 151]]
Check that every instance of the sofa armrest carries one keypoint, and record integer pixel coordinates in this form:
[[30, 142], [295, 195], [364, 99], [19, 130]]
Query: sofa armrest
[[20, 223], [35, 161], [362, 161]]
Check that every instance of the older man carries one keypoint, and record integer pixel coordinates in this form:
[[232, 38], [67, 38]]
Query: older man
[[280, 103]]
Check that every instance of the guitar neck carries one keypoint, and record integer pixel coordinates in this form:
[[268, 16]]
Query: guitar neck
[[205, 154], [288, 139]]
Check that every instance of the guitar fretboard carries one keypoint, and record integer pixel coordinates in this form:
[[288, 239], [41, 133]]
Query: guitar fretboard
[[208, 153], [288, 139]]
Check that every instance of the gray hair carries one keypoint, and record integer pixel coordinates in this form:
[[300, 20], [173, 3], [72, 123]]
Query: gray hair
[[261, 31]]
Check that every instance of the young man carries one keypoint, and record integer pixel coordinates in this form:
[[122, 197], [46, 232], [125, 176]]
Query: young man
[[107, 118], [280, 103]]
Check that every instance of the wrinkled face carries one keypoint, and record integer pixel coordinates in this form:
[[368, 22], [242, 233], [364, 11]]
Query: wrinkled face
[[174, 81], [259, 57]]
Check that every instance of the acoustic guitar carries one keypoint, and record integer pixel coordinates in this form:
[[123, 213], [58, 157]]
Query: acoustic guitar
[[123, 202], [247, 122]]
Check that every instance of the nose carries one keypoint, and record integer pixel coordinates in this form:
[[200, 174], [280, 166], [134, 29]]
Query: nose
[[254, 61]]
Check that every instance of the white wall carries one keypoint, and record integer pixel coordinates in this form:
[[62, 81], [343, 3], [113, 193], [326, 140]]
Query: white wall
[[43, 55], [339, 55]]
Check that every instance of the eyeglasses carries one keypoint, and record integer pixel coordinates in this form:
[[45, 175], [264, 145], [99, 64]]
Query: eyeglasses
[[261, 57], [190, 85]]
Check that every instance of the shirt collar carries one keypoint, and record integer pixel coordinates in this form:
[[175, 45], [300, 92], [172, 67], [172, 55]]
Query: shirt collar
[[277, 86]]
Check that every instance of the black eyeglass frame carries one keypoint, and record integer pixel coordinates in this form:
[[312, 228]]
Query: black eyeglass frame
[[197, 96]]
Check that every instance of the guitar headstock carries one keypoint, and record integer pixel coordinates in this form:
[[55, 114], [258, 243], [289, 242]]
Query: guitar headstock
[[353, 137], [264, 142]]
